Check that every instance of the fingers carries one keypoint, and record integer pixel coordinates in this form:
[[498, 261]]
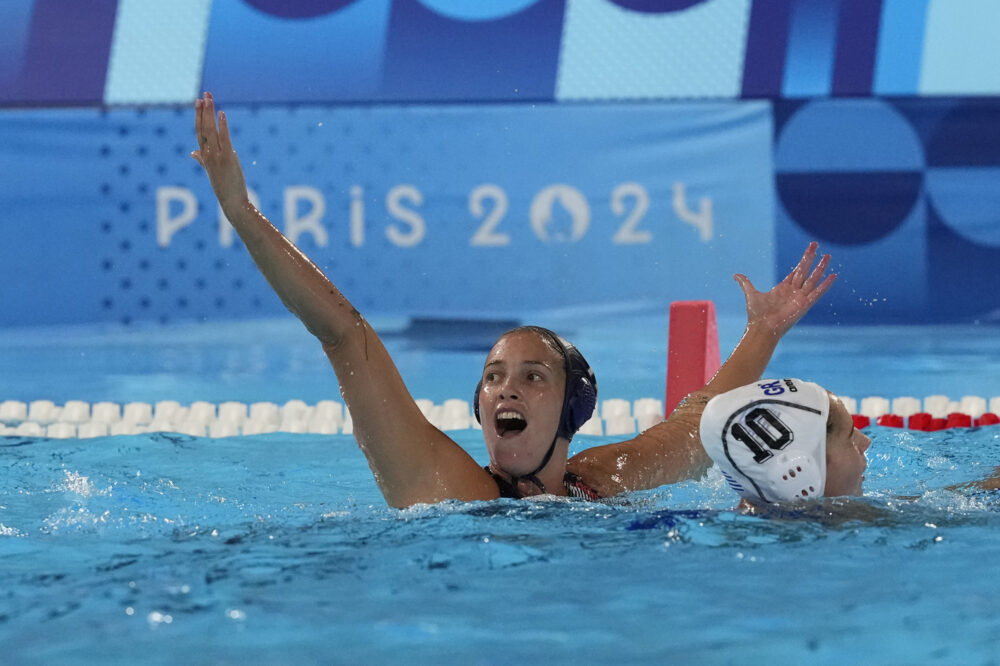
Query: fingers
[[818, 292], [197, 119], [745, 284], [200, 124], [225, 142], [817, 273], [798, 274], [205, 130], [211, 133]]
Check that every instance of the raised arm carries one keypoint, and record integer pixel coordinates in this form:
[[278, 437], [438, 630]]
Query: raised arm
[[671, 451], [412, 460], [769, 316]]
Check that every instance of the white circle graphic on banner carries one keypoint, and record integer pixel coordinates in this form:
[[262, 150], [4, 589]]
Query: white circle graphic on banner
[[566, 222]]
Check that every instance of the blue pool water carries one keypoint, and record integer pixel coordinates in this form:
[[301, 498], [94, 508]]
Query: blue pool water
[[279, 548]]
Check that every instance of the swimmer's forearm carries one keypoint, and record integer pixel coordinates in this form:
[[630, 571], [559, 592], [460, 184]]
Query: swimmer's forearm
[[989, 483], [299, 283], [668, 452], [747, 362], [672, 451]]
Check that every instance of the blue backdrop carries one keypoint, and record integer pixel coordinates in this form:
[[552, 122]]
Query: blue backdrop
[[446, 156], [458, 210]]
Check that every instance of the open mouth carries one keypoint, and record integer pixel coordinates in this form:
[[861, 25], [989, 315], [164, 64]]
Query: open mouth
[[510, 422]]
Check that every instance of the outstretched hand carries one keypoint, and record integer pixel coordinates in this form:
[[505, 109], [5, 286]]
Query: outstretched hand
[[216, 155], [777, 310]]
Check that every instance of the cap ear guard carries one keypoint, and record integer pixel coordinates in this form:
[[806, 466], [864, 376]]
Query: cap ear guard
[[581, 395], [475, 402]]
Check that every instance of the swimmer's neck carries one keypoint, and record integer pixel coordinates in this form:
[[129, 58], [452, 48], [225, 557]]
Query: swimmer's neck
[[551, 477]]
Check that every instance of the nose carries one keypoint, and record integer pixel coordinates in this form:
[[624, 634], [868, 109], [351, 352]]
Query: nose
[[508, 389], [864, 441]]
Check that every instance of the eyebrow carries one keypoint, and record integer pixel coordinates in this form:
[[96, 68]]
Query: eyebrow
[[501, 362]]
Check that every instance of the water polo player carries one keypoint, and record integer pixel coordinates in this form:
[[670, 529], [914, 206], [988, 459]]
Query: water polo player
[[536, 389], [785, 440], [780, 440]]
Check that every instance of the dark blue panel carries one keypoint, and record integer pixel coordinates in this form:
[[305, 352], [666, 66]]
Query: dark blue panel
[[434, 57], [849, 208], [967, 135], [67, 55], [767, 41], [963, 279], [657, 6], [298, 9]]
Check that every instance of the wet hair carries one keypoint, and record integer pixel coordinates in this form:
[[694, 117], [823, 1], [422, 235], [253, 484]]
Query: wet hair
[[580, 396]]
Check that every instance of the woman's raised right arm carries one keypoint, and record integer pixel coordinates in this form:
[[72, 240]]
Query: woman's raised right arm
[[300, 284], [411, 459]]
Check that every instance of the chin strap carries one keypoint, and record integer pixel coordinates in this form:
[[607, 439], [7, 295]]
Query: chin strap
[[530, 476]]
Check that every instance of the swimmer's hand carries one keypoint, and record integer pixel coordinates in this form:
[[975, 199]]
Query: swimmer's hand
[[777, 310], [216, 155]]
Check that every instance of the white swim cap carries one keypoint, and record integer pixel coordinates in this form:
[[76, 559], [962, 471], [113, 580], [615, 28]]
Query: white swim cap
[[769, 439]]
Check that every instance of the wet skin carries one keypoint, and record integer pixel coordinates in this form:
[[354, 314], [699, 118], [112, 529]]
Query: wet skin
[[523, 379], [845, 452]]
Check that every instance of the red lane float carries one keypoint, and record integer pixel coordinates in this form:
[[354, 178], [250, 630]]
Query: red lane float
[[989, 418], [925, 422], [890, 421]]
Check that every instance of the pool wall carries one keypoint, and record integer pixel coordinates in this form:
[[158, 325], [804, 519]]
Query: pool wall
[[443, 158]]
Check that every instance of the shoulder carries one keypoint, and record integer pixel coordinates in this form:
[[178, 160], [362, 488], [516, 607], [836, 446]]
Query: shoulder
[[595, 469]]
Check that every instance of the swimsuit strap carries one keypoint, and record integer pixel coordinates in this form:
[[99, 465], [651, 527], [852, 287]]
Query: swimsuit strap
[[576, 487], [506, 488]]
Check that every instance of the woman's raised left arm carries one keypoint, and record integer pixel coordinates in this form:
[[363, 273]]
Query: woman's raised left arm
[[671, 451]]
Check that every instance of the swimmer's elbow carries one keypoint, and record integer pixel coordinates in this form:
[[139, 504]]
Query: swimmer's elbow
[[696, 400], [355, 340], [332, 342], [322, 328]]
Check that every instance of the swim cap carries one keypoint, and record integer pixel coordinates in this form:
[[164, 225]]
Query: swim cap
[[580, 396], [769, 439]]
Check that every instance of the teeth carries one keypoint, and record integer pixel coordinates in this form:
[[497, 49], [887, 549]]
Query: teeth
[[510, 415]]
